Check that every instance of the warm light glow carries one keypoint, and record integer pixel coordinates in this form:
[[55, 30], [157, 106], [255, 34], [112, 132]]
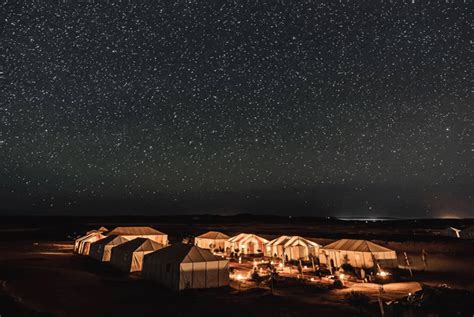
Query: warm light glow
[[305, 266], [280, 265], [254, 263], [383, 274], [312, 279], [271, 262], [239, 277], [342, 276]]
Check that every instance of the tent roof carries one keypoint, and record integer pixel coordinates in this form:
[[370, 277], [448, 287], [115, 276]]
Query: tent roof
[[135, 231], [113, 240], [213, 235], [356, 245], [100, 230], [288, 241], [297, 240], [243, 237], [139, 244], [279, 241], [184, 253], [90, 236]]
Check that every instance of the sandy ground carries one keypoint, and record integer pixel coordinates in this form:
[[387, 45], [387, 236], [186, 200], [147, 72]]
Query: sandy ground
[[49, 278], [44, 275]]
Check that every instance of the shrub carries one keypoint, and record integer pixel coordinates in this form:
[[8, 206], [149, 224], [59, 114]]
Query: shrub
[[357, 299]]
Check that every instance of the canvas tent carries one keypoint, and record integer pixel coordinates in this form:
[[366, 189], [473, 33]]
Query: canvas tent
[[102, 229], [211, 240], [451, 232], [246, 244], [183, 266], [141, 232], [358, 253], [128, 256], [102, 249], [291, 248], [82, 244]]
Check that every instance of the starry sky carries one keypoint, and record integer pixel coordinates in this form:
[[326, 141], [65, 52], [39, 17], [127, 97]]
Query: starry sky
[[308, 107]]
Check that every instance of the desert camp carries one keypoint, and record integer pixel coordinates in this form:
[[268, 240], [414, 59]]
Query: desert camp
[[290, 248], [212, 240], [245, 243], [358, 253], [128, 256], [181, 266]]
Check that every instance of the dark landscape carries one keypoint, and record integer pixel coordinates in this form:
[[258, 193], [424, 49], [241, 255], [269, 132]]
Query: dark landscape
[[38, 251]]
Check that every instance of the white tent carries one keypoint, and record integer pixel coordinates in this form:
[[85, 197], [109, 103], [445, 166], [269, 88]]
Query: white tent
[[102, 229], [211, 240], [82, 244], [102, 249], [246, 244], [140, 232], [128, 256], [183, 266], [358, 253], [451, 232], [291, 248]]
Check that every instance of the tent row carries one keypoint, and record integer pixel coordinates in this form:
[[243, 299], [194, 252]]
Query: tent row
[[357, 253], [180, 266], [177, 266]]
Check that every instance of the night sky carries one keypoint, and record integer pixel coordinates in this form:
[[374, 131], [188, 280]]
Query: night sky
[[317, 108]]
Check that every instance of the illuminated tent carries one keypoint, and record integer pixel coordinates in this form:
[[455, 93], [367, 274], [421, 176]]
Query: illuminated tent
[[211, 240], [128, 256], [359, 254], [183, 266], [102, 249], [82, 244], [246, 244], [451, 232], [101, 230], [141, 232], [291, 248]]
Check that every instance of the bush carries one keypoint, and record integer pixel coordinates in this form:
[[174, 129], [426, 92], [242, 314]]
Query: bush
[[358, 299]]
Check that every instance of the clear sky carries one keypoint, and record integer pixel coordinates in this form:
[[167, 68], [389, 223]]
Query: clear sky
[[324, 107]]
